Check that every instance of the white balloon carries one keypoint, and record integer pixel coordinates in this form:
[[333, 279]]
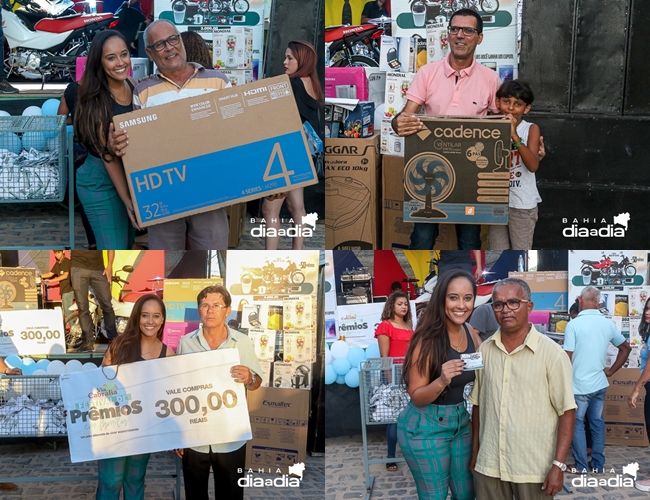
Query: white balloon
[[39, 372], [56, 367], [88, 366], [74, 365], [340, 349], [32, 111], [4, 113], [28, 361], [328, 356]]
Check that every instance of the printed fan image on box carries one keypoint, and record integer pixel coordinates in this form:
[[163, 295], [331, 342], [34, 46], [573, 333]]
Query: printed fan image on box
[[457, 170]]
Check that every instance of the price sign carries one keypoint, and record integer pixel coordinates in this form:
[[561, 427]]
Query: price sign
[[156, 405], [31, 332]]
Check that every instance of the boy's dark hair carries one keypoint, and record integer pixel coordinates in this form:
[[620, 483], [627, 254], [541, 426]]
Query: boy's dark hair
[[517, 89], [469, 13]]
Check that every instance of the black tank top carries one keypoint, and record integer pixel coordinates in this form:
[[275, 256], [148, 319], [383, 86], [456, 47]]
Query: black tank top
[[163, 353], [455, 391]]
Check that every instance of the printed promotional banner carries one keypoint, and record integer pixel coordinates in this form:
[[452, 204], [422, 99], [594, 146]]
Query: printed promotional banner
[[18, 288], [609, 270], [31, 332], [330, 296], [155, 405], [180, 297], [261, 272], [498, 50], [214, 17], [357, 323]]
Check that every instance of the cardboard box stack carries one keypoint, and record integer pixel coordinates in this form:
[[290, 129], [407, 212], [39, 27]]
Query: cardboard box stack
[[624, 426]]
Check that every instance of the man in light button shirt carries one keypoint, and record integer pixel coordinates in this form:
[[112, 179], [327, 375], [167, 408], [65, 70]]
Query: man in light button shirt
[[585, 341], [524, 410], [226, 458]]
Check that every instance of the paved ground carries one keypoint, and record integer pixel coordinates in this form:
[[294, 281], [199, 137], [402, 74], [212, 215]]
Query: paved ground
[[40, 459], [345, 477], [33, 225]]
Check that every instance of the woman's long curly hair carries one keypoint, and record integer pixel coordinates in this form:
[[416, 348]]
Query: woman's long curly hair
[[431, 333], [126, 348], [196, 49], [94, 111], [306, 57], [389, 307]]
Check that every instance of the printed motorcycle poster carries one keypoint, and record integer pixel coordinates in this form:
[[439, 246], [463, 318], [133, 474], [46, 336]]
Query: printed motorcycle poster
[[262, 272], [212, 16], [498, 50], [155, 405], [38, 332], [610, 270]]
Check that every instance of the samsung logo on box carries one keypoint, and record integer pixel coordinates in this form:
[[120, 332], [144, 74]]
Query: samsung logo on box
[[138, 121], [255, 91]]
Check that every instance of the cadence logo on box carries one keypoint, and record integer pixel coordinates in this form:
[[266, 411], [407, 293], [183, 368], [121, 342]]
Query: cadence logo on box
[[589, 227]]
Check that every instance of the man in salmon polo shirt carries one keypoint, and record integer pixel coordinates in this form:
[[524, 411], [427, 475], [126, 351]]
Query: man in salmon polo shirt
[[455, 86]]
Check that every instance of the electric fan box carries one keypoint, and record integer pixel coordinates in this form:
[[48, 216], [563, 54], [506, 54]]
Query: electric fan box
[[201, 153], [279, 425], [457, 170], [352, 191]]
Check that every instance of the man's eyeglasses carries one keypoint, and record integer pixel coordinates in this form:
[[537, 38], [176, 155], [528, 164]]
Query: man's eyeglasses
[[513, 304], [467, 31], [207, 307], [161, 44]]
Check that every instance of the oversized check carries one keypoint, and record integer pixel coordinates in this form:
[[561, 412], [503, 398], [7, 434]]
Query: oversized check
[[31, 332], [155, 405]]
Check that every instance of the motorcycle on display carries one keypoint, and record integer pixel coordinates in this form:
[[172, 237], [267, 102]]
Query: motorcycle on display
[[353, 45], [605, 266], [447, 7], [121, 308], [624, 268], [46, 37]]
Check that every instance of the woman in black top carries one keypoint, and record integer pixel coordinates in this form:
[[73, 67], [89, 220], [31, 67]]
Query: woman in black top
[[300, 64], [105, 90], [433, 431], [141, 341]]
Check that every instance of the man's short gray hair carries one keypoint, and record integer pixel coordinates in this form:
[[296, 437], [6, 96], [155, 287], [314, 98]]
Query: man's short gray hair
[[514, 281], [590, 294], [158, 21]]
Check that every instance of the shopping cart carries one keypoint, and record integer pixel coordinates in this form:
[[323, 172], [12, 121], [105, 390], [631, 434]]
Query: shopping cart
[[383, 396]]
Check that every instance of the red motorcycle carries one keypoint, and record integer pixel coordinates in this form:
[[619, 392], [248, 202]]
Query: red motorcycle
[[606, 266], [353, 45]]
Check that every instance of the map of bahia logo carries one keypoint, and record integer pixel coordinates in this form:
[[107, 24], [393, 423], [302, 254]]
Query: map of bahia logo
[[617, 481], [303, 230], [596, 227], [284, 481]]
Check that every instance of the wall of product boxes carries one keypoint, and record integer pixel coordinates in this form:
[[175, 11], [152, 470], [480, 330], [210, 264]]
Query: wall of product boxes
[[365, 158]]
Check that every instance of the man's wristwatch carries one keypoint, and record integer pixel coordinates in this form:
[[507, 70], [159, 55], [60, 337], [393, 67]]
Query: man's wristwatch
[[560, 465], [254, 379]]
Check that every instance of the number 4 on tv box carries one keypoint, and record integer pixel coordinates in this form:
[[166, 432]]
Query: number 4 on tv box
[[210, 151]]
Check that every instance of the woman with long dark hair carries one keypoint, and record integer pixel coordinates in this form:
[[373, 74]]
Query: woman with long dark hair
[[141, 341], [393, 335], [433, 430], [300, 64], [105, 90]]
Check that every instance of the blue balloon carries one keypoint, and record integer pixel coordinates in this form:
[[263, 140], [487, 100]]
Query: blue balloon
[[372, 351], [42, 364], [29, 369], [36, 140], [356, 355], [330, 375], [69, 128], [341, 366], [11, 142], [340, 379], [14, 361], [352, 378], [50, 107]]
